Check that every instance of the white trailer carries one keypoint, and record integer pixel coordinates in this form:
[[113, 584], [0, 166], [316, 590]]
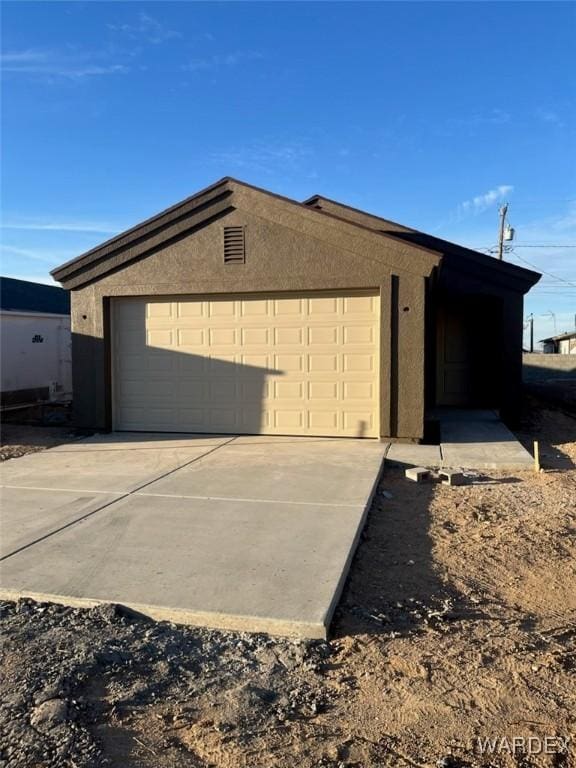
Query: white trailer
[[35, 356]]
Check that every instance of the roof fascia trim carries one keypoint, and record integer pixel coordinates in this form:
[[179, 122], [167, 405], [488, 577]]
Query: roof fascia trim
[[71, 271], [148, 227], [510, 272]]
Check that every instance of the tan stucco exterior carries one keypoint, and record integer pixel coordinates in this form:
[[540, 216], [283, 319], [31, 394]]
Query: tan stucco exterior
[[290, 248]]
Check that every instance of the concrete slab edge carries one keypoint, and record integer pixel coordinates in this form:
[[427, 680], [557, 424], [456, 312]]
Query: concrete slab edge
[[417, 461], [352, 550], [495, 466], [208, 620]]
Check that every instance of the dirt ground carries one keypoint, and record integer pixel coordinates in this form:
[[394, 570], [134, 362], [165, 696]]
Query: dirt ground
[[458, 623]]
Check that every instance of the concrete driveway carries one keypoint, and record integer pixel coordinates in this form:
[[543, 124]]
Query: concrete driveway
[[253, 533]]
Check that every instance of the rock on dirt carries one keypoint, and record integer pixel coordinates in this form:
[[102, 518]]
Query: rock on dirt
[[72, 678], [19, 439], [49, 713], [475, 638]]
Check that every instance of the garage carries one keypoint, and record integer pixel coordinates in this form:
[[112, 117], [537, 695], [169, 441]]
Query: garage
[[238, 311], [305, 364]]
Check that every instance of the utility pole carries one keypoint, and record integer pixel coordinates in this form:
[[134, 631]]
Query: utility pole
[[503, 211], [531, 321]]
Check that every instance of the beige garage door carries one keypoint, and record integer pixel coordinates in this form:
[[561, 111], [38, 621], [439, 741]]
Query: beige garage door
[[297, 365]]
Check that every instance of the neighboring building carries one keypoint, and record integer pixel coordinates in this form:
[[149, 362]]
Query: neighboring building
[[240, 311], [35, 342], [564, 344]]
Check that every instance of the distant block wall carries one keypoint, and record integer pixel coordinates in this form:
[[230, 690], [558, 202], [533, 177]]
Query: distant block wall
[[538, 368]]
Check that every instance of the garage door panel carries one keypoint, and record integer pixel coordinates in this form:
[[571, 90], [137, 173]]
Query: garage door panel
[[360, 305], [254, 308], [191, 367], [192, 309], [129, 316], [192, 391], [323, 334], [257, 360], [222, 309], [290, 336], [222, 337], [358, 390], [159, 364], [324, 420], [359, 334], [160, 309], [220, 417], [323, 363], [286, 363], [286, 420], [134, 338], [253, 393], [141, 388], [277, 365], [356, 363], [288, 390], [191, 337], [362, 421], [288, 307], [322, 306], [255, 337], [162, 338], [323, 390]]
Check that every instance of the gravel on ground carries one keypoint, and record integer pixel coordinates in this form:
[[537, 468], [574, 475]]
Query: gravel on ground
[[19, 439], [457, 624]]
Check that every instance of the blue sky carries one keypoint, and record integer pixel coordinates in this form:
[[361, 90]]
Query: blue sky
[[428, 113]]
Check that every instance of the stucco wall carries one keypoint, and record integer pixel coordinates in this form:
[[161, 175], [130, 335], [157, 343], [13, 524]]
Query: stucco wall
[[279, 258]]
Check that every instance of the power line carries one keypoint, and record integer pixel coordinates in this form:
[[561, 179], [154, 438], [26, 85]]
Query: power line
[[550, 274], [544, 245], [492, 248]]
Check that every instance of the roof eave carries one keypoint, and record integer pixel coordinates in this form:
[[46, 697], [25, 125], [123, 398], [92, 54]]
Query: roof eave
[[136, 241], [64, 271]]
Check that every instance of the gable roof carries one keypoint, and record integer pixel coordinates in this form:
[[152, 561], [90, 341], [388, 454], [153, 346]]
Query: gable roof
[[344, 226], [130, 238], [455, 256], [216, 201], [560, 337], [25, 296], [321, 203]]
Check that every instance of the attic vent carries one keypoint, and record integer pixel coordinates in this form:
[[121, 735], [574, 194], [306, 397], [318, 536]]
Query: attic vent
[[234, 251]]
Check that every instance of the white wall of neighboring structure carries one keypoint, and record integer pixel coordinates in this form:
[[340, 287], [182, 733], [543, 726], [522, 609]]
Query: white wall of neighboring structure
[[567, 346], [36, 351]]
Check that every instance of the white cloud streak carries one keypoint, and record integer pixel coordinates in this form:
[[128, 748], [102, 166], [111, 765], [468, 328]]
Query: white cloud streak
[[58, 64], [147, 29], [550, 116], [29, 56], [62, 226], [220, 61], [46, 256], [267, 157], [25, 253], [481, 203]]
